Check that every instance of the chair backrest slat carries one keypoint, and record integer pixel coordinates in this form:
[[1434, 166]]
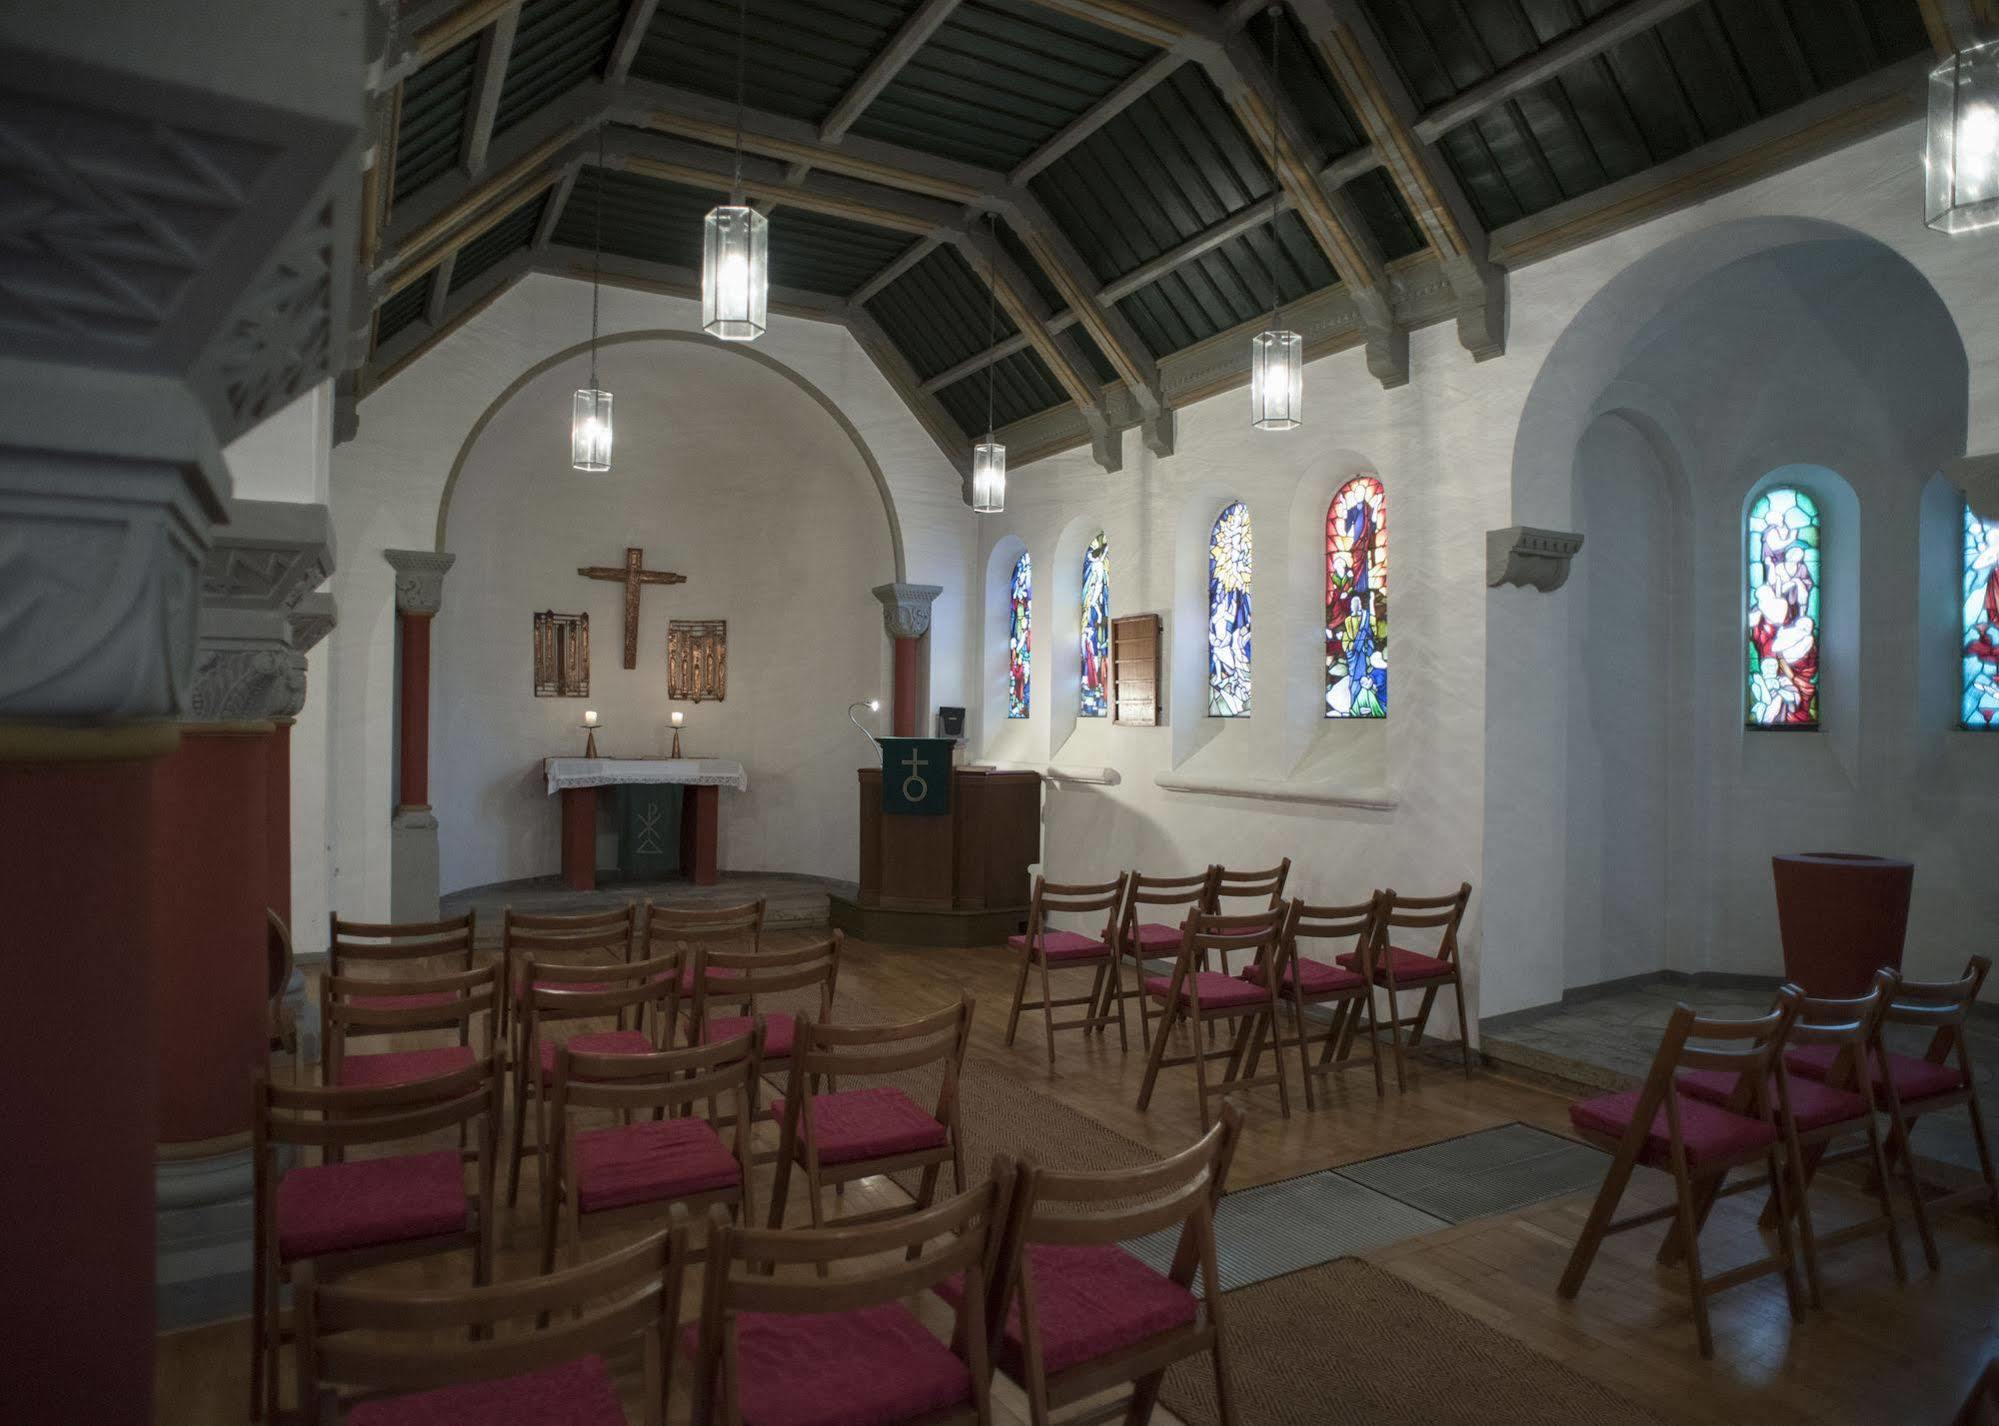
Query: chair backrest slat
[[1266, 885]]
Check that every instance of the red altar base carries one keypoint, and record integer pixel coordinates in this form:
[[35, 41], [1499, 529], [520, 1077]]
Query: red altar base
[[700, 807]]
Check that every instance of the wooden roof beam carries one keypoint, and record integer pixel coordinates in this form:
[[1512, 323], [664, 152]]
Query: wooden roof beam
[[909, 257], [496, 47], [1148, 75], [884, 67], [923, 405], [631, 34]]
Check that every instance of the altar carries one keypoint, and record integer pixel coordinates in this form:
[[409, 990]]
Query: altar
[[577, 780]]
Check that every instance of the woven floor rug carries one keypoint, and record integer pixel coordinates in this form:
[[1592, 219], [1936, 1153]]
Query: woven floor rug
[[1297, 1353]]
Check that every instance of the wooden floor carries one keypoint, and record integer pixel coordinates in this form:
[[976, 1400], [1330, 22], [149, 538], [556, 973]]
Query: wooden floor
[[1879, 1352]]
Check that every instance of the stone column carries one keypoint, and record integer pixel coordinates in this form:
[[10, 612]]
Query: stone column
[[906, 617], [413, 841]]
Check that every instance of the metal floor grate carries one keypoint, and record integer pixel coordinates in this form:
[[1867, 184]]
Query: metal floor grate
[[1476, 1175], [1278, 1228]]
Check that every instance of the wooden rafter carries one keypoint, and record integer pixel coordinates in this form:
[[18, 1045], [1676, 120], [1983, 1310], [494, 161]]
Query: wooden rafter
[[644, 275], [884, 67], [631, 34], [1142, 81], [1026, 311], [902, 262], [496, 47], [928, 410]]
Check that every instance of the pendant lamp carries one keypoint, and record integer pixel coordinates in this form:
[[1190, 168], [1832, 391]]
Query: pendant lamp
[[989, 456], [735, 245], [1961, 156], [590, 411], [1276, 357]]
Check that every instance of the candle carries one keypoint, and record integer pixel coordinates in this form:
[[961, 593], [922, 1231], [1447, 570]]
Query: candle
[[590, 717], [678, 717]]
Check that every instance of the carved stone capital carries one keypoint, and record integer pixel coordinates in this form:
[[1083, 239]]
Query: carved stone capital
[[270, 555], [419, 579], [311, 619], [1531, 558], [906, 608], [246, 670]]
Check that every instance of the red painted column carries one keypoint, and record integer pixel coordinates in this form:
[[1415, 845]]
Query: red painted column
[[77, 1059], [278, 818], [415, 788], [208, 881], [906, 676], [579, 838]]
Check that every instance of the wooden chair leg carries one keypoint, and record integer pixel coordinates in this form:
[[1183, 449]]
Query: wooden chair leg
[[1019, 993], [1395, 1038], [1798, 1201], [1211, 1278], [1464, 1022], [1780, 1186], [780, 1184], [1092, 1011], [1277, 1057], [1047, 1013], [926, 1194], [1167, 1017], [1144, 1397], [1887, 1200], [1683, 1204], [1706, 1193], [1423, 1008], [1365, 1006], [1912, 1181], [1984, 1145], [259, 1323], [1115, 992], [1601, 1212], [1201, 1068]]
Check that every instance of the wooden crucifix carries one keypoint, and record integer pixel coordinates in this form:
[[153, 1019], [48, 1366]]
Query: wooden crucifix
[[632, 575]]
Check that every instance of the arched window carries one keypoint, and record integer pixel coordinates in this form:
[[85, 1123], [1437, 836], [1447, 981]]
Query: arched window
[[1096, 641], [1981, 622], [1020, 644], [1357, 601], [1784, 610], [1229, 561]]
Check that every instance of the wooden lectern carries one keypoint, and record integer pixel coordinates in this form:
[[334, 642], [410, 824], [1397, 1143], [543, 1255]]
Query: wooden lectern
[[959, 879]]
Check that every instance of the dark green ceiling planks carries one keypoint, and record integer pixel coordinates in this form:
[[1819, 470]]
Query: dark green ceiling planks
[[936, 313], [814, 252], [644, 218], [800, 55], [430, 133], [1022, 385], [558, 45], [511, 234], [400, 309]]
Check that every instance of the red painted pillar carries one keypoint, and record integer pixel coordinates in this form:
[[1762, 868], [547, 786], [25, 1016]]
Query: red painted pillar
[[415, 787], [278, 819], [906, 619], [77, 1060], [209, 880], [905, 688]]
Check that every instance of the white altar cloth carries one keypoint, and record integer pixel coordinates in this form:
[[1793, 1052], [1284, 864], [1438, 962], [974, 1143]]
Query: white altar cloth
[[603, 772]]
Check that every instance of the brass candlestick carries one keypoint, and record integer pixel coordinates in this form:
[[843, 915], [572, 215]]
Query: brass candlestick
[[590, 742], [677, 718]]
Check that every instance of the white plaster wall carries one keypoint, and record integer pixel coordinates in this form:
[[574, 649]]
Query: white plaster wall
[[388, 481], [727, 473]]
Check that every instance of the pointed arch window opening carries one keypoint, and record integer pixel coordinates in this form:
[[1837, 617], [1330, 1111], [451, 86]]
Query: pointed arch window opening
[[1230, 568], [1095, 642], [1020, 641], [1357, 600], [1784, 633]]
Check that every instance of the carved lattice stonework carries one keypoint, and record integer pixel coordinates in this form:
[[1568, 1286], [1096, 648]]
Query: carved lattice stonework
[[279, 339], [697, 659], [561, 655]]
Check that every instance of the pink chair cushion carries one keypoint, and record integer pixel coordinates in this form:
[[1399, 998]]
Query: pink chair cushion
[[871, 1367], [1408, 966], [597, 1042], [365, 1203], [780, 1030], [871, 1123], [714, 973], [1064, 946], [1218, 991], [403, 1002], [1915, 1078], [649, 1161], [1154, 937], [1712, 1135], [1814, 1104], [1091, 1300], [401, 1066], [578, 1393], [1314, 978]]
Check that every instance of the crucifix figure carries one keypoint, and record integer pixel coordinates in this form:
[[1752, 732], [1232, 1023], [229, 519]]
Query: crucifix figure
[[632, 575]]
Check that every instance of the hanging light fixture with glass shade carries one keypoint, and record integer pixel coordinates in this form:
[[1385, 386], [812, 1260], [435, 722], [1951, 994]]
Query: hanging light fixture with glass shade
[[735, 245], [1276, 357], [1961, 157], [590, 411], [989, 456]]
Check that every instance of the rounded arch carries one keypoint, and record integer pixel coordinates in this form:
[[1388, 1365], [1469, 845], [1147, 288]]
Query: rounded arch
[[995, 618], [660, 334]]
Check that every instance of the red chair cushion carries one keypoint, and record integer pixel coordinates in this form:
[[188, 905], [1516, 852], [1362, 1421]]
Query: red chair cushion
[[1154, 937], [1314, 977], [1712, 1135], [403, 1002], [871, 1367], [780, 1030], [597, 1042], [1915, 1078], [650, 1161], [1064, 946], [578, 1393], [1091, 1300], [401, 1066], [1408, 966], [370, 1202], [1814, 1104], [1218, 991], [714, 973], [871, 1123]]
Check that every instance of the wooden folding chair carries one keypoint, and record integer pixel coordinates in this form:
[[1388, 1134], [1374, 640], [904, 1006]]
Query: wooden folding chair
[[1914, 1086], [280, 1023], [1395, 968], [851, 1133], [396, 951], [1140, 941], [770, 1341], [636, 1169], [349, 1010], [747, 978], [358, 1344], [595, 938], [1303, 980], [344, 1216], [562, 995], [1661, 1126], [1263, 890], [1814, 1113], [1194, 997], [1043, 948], [1071, 1313], [692, 931]]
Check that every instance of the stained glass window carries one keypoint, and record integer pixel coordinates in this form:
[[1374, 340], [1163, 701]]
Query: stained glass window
[[1981, 622], [1096, 641], [1784, 610], [1357, 601], [1228, 613], [1020, 644]]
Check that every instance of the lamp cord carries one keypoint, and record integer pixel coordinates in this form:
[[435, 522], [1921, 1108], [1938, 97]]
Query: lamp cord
[[992, 302], [742, 22], [596, 256], [1276, 184]]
